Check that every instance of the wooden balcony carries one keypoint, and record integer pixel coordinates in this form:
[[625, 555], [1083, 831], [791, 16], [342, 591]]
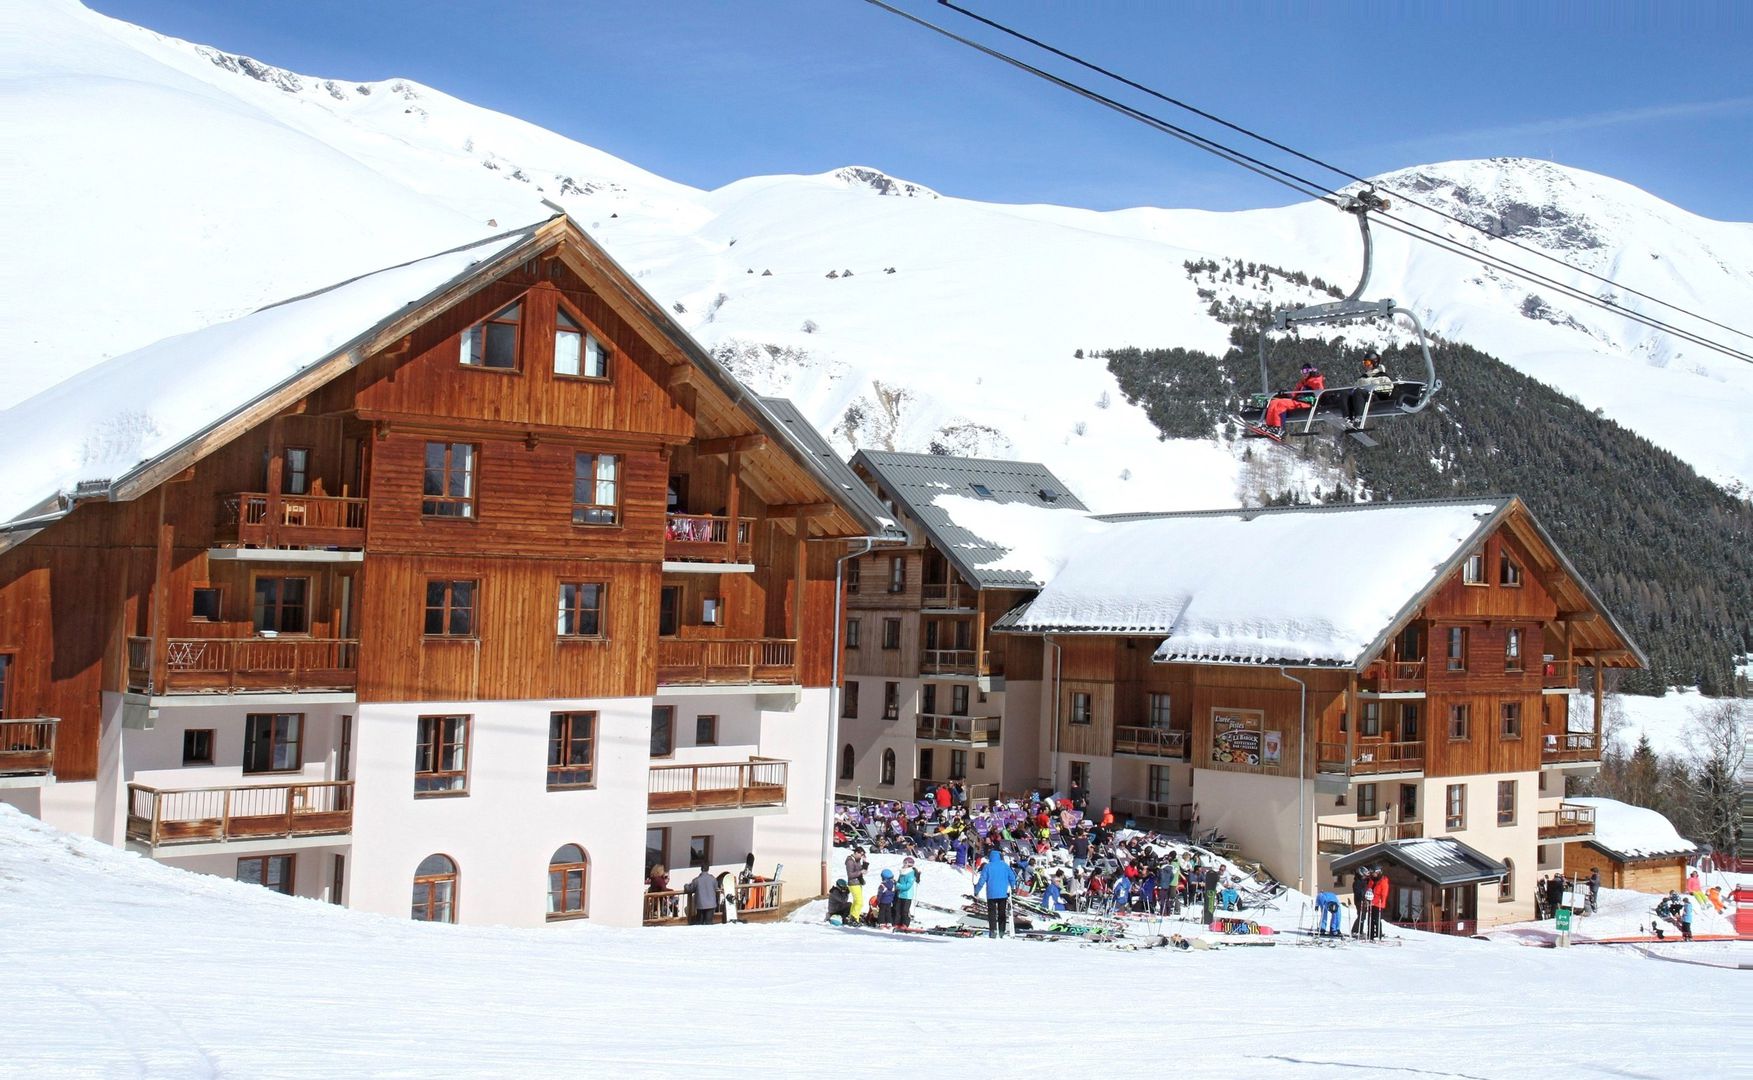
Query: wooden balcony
[[1558, 674], [756, 899], [726, 785], [949, 662], [964, 730], [27, 748], [233, 665], [253, 519], [166, 818], [726, 662], [1344, 839], [706, 538], [1394, 677], [948, 594], [1567, 821], [1151, 742], [1372, 758], [1574, 746]]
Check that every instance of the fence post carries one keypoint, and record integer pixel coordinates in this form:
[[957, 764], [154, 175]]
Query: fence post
[[225, 814], [157, 810]]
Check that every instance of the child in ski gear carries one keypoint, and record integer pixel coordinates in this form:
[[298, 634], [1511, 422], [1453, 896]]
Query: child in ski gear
[[885, 899], [995, 880], [905, 883], [1301, 396], [1375, 380]]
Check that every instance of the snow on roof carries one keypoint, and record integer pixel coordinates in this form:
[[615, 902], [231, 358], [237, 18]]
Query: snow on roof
[[1634, 832], [1298, 585], [108, 419], [1440, 860]]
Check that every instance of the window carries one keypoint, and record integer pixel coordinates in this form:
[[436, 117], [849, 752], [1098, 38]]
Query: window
[[1458, 721], [1506, 802], [1160, 715], [959, 700], [888, 774], [1509, 574], [852, 633], [1080, 708], [657, 847], [1457, 648], [958, 764], [709, 611], [891, 701], [295, 471], [206, 605], [577, 352], [663, 730], [669, 610], [1512, 720], [891, 633], [1409, 722], [979, 759], [272, 872], [581, 609], [450, 609], [281, 605], [1372, 719], [1158, 783], [897, 573], [435, 890], [1473, 573], [595, 489], [1408, 802], [981, 491], [1366, 802], [5, 671], [700, 852], [492, 343], [568, 874], [849, 700], [1512, 650], [928, 699], [1411, 645], [846, 761], [1455, 817], [705, 730], [852, 576], [273, 742], [572, 739], [441, 756], [198, 746], [448, 486], [1080, 776], [1506, 887]]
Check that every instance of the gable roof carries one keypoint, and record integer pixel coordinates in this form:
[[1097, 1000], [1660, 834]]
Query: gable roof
[[917, 483], [1629, 833], [117, 430], [811, 441], [1440, 860]]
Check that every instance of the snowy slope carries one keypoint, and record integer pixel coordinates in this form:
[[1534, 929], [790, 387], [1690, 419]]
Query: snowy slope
[[213, 184], [125, 967]]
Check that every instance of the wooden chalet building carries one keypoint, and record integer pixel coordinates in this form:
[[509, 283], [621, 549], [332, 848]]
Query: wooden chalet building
[[928, 695], [1309, 682], [471, 588]]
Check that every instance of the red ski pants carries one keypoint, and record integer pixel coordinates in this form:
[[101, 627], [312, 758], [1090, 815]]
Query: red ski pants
[[1277, 407]]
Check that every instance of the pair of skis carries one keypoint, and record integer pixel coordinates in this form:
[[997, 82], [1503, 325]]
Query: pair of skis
[[1266, 433]]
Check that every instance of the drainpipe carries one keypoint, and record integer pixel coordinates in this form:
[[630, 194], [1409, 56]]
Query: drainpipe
[[1053, 746], [833, 774], [1302, 758]]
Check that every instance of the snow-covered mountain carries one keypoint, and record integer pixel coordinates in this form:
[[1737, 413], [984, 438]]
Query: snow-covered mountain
[[163, 186]]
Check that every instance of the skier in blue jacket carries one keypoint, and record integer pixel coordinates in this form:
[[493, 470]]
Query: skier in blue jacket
[[996, 878], [905, 883]]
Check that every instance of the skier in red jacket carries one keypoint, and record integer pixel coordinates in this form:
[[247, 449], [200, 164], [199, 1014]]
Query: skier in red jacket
[[1378, 903], [1312, 382]]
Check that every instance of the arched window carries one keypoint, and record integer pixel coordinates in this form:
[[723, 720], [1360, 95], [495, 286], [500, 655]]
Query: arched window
[[435, 890], [888, 767], [568, 883], [1506, 889], [846, 762]]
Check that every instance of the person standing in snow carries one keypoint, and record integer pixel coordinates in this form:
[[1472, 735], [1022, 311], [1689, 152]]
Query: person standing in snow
[[856, 865], [1686, 910], [905, 884], [704, 890], [885, 899], [995, 880], [1301, 396], [1594, 888], [1360, 899], [1378, 903], [1375, 380]]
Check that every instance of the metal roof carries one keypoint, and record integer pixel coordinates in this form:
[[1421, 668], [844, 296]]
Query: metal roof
[[810, 442], [914, 481], [1440, 860]]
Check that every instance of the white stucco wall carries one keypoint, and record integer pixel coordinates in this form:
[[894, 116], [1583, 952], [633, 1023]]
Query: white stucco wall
[[1259, 813]]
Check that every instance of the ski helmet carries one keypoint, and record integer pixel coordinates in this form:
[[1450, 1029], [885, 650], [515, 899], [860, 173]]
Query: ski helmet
[[1309, 369]]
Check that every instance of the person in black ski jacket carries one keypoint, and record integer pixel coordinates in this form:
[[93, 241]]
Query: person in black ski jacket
[[1375, 380], [840, 901], [1360, 899]]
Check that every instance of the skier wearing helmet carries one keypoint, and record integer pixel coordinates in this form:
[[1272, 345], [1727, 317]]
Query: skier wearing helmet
[[1375, 380], [1301, 396]]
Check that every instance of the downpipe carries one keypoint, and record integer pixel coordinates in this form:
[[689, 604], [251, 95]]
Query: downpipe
[[1302, 759]]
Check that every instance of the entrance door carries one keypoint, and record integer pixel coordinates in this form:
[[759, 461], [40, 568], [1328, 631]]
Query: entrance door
[[925, 769]]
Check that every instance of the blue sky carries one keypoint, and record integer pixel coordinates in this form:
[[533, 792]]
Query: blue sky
[[1657, 94]]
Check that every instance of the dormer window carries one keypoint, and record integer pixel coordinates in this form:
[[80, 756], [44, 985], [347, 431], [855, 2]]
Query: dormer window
[[981, 490], [577, 352], [492, 343], [1048, 495], [1473, 571]]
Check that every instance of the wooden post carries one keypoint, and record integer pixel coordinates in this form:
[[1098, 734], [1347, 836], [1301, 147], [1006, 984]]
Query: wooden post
[[1599, 705], [161, 569], [803, 535], [276, 465], [225, 814], [731, 508], [1352, 721]]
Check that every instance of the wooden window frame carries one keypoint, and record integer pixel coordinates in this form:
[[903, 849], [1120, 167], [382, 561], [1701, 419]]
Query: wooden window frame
[[888, 768], [587, 333], [563, 738], [428, 754], [1160, 711], [1159, 783], [443, 504], [1509, 721], [291, 880], [448, 607], [1506, 818], [1461, 716], [853, 576], [897, 573], [565, 869], [891, 701], [218, 594], [297, 743], [668, 713], [1369, 722], [1367, 796], [1456, 661], [852, 635], [1082, 712], [849, 700], [1417, 733], [582, 509], [705, 861], [958, 764], [928, 698], [1509, 571], [288, 471], [1455, 810], [482, 325], [1473, 570], [1411, 814], [211, 735], [453, 876], [663, 846], [891, 633], [280, 606], [959, 699], [1512, 649], [669, 610], [706, 729], [576, 612], [711, 611]]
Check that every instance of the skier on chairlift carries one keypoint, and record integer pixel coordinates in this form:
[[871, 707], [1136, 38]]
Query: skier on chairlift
[[1302, 396], [1374, 381]]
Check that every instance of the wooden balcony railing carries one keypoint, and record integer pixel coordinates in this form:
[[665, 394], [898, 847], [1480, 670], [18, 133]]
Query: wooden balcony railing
[[706, 538], [949, 661], [666, 907], [948, 594], [1153, 741], [1341, 839], [186, 816], [1394, 677], [727, 785], [1371, 758], [1175, 815], [27, 747], [1558, 674], [228, 665], [1567, 821], [726, 662], [972, 730], [1571, 746], [252, 519]]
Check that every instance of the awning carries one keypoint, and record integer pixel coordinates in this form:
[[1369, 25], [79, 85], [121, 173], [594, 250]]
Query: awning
[[1442, 861]]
